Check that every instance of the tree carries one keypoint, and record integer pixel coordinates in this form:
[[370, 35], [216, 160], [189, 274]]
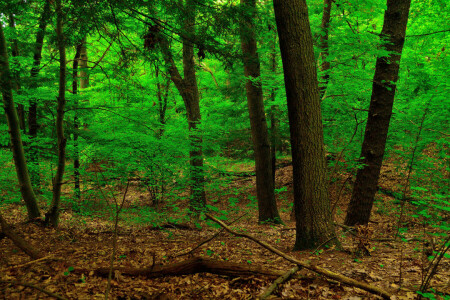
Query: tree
[[52, 216], [14, 132], [314, 222], [267, 205], [380, 111], [32, 110], [324, 65], [188, 89]]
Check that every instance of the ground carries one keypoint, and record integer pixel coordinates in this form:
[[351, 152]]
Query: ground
[[370, 254]]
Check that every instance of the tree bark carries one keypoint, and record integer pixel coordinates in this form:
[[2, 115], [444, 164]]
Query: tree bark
[[380, 111], [52, 216], [14, 133], [267, 205], [32, 110], [324, 65], [312, 208]]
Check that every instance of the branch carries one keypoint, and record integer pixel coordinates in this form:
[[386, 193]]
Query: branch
[[285, 277], [430, 33], [319, 270]]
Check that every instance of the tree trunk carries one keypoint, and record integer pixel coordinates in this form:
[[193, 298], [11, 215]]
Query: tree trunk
[[15, 53], [76, 161], [380, 111], [32, 110], [314, 221], [52, 216], [267, 205], [273, 109], [188, 90], [14, 132], [81, 61], [324, 65]]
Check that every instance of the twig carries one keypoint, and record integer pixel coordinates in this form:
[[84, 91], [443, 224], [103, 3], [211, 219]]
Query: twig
[[49, 257], [283, 278], [319, 270], [51, 294]]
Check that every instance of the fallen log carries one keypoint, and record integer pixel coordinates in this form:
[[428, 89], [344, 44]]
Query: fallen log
[[327, 273], [190, 266], [280, 280], [17, 240]]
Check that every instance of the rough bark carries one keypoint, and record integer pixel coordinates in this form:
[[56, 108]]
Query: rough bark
[[14, 133], [380, 111], [52, 216], [267, 205], [32, 110], [312, 209], [324, 65]]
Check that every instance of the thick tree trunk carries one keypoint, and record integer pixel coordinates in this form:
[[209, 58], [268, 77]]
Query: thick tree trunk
[[267, 205], [380, 111], [324, 64], [314, 221], [52, 216], [14, 132], [33, 155]]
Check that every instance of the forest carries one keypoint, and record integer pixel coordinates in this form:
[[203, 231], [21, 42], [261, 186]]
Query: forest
[[224, 149]]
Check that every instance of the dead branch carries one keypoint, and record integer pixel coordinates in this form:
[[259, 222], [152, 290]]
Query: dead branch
[[338, 277], [49, 257], [191, 266], [280, 280], [51, 294], [17, 240]]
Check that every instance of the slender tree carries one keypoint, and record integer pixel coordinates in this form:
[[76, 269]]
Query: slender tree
[[267, 205], [324, 65], [14, 132], [32, 110], [380, 111], [312, 210], [188, 89], [52, 216]]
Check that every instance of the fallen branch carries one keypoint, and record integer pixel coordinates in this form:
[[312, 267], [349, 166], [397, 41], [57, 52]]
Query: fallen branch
[[338, 277], [17, 240], [50, 257], [191, 266], [51, 294], [280, 280]]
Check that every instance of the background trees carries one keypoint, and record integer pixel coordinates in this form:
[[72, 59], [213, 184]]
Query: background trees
[[130, 123]]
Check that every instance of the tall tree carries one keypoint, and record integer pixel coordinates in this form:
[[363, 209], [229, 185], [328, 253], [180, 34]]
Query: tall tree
[[267, 205], [380, 111], [80, 60], [324, 64], [14, 132], [188, 89], [32, 110], [314, 222], [52, 216]]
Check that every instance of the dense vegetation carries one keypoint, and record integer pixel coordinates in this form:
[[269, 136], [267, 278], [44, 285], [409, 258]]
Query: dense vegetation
[[151, 114]]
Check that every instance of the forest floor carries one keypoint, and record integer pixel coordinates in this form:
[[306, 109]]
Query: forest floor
[[84, 243]]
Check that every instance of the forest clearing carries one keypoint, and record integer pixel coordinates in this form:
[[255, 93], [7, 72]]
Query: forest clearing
[[203, 149]]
